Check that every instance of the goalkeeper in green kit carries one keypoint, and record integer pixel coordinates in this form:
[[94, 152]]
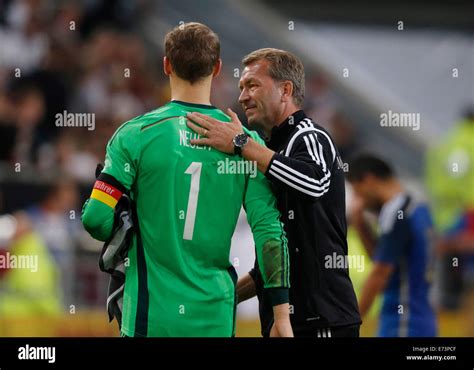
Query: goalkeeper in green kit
[[179, 281]]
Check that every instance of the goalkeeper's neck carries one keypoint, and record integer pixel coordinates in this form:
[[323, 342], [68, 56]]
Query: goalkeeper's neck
[[198, 93]]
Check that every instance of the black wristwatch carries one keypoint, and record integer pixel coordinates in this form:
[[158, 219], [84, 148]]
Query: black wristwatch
[[240, 140]]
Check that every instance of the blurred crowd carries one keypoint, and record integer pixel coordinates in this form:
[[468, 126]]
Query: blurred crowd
[[55, 57], [75, 58], [89, 57], [79, 59]]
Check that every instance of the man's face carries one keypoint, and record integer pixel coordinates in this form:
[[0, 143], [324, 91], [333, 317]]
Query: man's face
[[260, 95], [367, 190]]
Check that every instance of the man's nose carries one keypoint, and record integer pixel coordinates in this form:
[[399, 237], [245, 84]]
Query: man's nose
[[244, 96]]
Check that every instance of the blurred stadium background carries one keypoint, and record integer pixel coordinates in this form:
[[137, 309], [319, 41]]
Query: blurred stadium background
[[105, 57]]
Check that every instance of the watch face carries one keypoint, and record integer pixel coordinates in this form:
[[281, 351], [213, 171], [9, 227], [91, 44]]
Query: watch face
[[240, 140]]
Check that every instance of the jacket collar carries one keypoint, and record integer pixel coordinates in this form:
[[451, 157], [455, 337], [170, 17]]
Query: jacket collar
[[280, 134]]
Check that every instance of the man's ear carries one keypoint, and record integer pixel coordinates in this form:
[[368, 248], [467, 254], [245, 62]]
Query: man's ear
[[167, 69], [217, 68], [286, 91]]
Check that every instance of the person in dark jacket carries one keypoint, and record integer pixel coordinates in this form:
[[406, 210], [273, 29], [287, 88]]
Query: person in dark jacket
[[306, 173]]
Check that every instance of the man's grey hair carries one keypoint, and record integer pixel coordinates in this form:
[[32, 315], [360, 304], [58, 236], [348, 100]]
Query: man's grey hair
[[284, 66]]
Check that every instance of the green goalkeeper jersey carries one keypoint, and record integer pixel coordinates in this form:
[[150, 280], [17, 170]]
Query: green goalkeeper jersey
[[179, 281]]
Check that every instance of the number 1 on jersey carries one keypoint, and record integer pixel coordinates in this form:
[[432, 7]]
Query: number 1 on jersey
[[194, 170]]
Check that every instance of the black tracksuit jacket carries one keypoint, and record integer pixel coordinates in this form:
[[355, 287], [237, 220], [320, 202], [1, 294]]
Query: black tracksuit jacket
[[307, 178]]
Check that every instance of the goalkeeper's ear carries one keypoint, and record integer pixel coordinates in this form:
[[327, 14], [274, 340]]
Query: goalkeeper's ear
[[98, 169]]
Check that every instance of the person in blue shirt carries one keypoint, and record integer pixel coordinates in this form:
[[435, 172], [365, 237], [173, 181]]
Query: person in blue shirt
[[401, 252]]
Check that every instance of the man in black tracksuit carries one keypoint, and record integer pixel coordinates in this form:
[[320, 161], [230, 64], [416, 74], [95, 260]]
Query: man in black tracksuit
[[321, 296], [307, 178]]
